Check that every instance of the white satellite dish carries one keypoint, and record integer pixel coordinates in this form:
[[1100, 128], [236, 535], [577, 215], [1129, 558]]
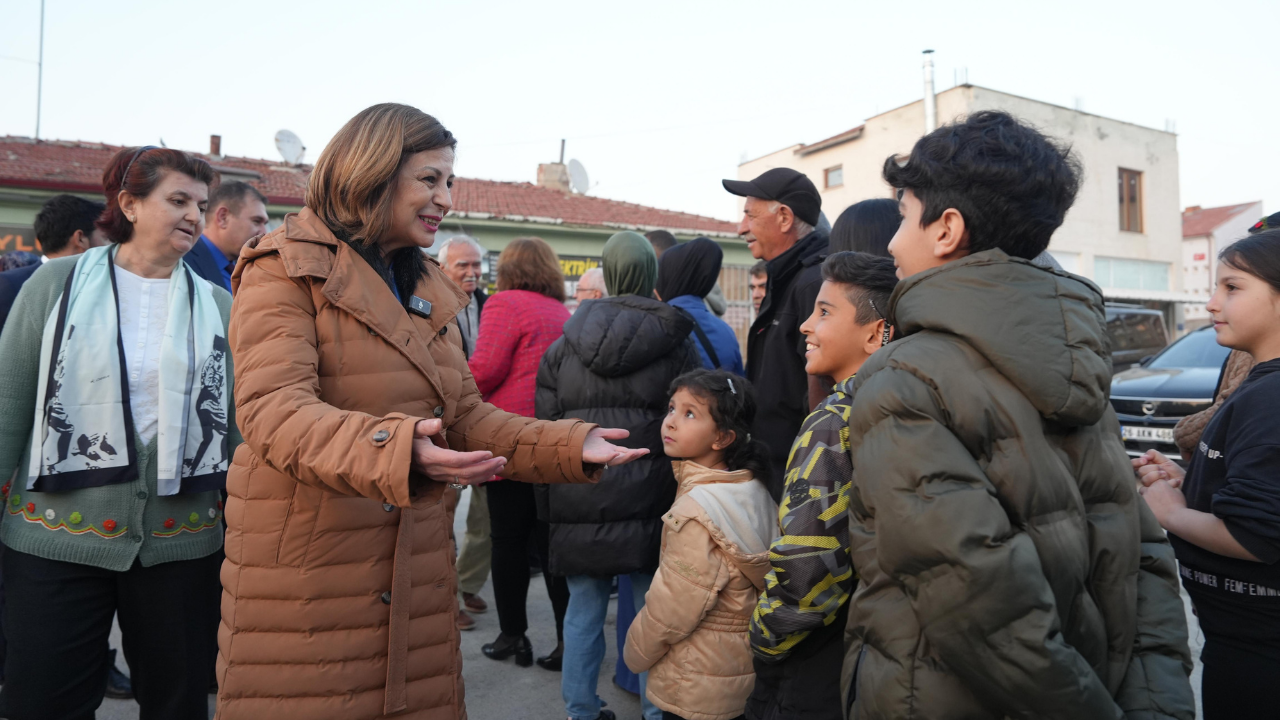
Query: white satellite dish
[[290, 147], [578, 181]]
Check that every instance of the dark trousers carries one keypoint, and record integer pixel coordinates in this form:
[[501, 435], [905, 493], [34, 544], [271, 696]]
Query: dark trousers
[[57, 617], [1239, 681], [514, 525], [672, 716]]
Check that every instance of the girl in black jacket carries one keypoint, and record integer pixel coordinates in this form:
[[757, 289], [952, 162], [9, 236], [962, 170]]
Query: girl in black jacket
[[613, 366], [1224, 517]]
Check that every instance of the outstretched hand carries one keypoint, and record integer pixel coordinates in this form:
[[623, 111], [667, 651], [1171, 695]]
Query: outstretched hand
[[597, 450], [433, 458]]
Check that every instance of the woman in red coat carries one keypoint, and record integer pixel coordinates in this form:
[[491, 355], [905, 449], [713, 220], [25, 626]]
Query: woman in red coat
[[518, 324]]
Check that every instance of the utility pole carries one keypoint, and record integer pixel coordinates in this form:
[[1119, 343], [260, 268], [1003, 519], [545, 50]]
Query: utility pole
[[40, 71]]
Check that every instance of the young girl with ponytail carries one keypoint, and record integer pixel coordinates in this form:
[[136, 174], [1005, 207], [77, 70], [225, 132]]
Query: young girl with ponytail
[[692, 634], [1223, 514]]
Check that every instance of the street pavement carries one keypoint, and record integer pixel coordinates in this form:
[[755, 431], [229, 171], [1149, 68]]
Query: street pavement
[[503, 691]]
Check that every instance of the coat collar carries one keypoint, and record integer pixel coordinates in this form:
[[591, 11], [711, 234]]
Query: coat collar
[[308, 248], [690, 475]]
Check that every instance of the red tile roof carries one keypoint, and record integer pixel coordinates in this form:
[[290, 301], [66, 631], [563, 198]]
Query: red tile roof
[[1197, 221], [77, 167]]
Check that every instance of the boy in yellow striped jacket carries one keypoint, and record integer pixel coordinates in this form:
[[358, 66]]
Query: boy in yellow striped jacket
[[798, 626]]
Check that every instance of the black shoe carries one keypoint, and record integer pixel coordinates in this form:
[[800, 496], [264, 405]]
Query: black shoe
[[118, 685], [506, 646], [606, 715], [554, 661]]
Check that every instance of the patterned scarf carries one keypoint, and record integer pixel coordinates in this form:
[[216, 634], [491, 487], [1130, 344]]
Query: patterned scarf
[[84, 434]]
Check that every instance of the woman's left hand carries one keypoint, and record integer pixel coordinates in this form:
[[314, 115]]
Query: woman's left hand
[[597, 450], [1164, 500]]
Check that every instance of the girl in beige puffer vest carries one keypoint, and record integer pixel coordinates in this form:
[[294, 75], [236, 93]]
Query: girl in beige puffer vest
[[692, 634]]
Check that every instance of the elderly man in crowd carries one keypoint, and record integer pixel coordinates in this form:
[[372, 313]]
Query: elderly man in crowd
[[460, 256], [590, 286], [237, 213], [779, 218]]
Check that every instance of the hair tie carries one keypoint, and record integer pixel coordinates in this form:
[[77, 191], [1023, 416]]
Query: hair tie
[[731, 388]]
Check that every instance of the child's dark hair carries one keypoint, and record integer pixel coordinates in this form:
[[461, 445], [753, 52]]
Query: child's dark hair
[[1012, 185], [866, 227], [868, 281], [732, 401], [1257, 254]]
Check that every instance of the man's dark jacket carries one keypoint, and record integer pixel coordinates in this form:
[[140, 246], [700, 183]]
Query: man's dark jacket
[[775, 351], [202, 262], [10, 283], [613, 367]]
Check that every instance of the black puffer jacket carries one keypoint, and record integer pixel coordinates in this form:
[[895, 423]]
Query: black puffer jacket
[[612, 367]]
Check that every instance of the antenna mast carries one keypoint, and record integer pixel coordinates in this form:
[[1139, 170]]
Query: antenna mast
[[40, 71]]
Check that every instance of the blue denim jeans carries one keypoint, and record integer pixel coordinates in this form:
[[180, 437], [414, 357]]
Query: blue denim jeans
[[584, 644]]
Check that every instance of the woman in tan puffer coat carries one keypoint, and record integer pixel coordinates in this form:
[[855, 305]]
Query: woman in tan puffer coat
[[357, 407]]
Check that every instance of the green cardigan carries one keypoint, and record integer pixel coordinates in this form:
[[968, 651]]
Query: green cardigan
[[107, 526]]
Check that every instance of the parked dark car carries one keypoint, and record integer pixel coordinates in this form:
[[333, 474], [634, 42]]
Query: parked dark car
[[1149, 400], [1136, 332]]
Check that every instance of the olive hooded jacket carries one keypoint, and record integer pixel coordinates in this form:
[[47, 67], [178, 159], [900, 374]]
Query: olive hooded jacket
[[1008, 566]]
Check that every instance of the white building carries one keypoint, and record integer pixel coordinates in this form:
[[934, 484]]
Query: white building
[[1125, 228], [1205, 232]]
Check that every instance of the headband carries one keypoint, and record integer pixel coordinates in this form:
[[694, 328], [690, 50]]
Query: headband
[[124, 177]]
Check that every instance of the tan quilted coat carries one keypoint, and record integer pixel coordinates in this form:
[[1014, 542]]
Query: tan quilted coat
[[339, 587], [691, 636]]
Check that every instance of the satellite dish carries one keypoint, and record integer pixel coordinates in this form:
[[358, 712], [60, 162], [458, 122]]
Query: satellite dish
[[290, 147], [578, 181]]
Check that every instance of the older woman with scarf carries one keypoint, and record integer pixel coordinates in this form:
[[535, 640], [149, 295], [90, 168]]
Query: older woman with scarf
[[358, 413], [115, 411], [613, 366], [686, 274]]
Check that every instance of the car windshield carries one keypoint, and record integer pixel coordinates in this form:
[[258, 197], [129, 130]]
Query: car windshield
[[1197, 350]]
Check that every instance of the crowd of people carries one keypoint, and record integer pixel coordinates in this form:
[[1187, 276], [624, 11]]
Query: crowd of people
[[908, 499]]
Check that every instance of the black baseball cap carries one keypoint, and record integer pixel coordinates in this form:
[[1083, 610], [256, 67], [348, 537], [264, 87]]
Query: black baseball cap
[[787, 186]]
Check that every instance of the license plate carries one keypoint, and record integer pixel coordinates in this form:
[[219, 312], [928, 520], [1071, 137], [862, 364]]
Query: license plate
[[1146, 434]]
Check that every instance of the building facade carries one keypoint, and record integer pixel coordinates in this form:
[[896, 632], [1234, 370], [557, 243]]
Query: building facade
[[1124, 230], [1205, 232]]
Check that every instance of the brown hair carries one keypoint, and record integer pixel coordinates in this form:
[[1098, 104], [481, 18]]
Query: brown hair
[[353, 182], [146, 167], [529, 263]]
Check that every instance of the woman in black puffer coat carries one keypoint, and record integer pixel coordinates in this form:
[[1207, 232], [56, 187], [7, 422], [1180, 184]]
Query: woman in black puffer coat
[[613, 366]]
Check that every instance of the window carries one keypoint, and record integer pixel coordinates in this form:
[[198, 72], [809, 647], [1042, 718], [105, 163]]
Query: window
[[1130, 200], [834, 176], [1123, 274], [1068, 260]]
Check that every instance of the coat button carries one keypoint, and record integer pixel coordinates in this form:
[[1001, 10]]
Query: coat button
[[386, 598], [444, 329], [388, 507], [372, 331], [142, 494], [381, 435], [137, 538], [438, 412]]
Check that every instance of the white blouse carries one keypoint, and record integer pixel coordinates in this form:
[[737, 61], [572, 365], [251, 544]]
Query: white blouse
[[144, 311]]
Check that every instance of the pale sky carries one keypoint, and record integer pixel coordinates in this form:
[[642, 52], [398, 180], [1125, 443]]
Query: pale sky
[[658, 102]]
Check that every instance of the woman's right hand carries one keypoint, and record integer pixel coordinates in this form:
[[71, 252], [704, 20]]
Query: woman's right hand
[[433, 458], [1153, 466]]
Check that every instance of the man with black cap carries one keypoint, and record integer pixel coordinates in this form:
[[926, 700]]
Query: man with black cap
[[778, 222]]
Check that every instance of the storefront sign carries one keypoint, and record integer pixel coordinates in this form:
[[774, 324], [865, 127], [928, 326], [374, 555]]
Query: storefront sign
[[575, 266], [17, 237]]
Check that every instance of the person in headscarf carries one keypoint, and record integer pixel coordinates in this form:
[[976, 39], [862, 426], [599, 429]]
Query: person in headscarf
[[686, 274], [616, 360]]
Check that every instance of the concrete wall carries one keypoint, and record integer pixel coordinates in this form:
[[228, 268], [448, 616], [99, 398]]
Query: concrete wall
[[1091, 228]]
